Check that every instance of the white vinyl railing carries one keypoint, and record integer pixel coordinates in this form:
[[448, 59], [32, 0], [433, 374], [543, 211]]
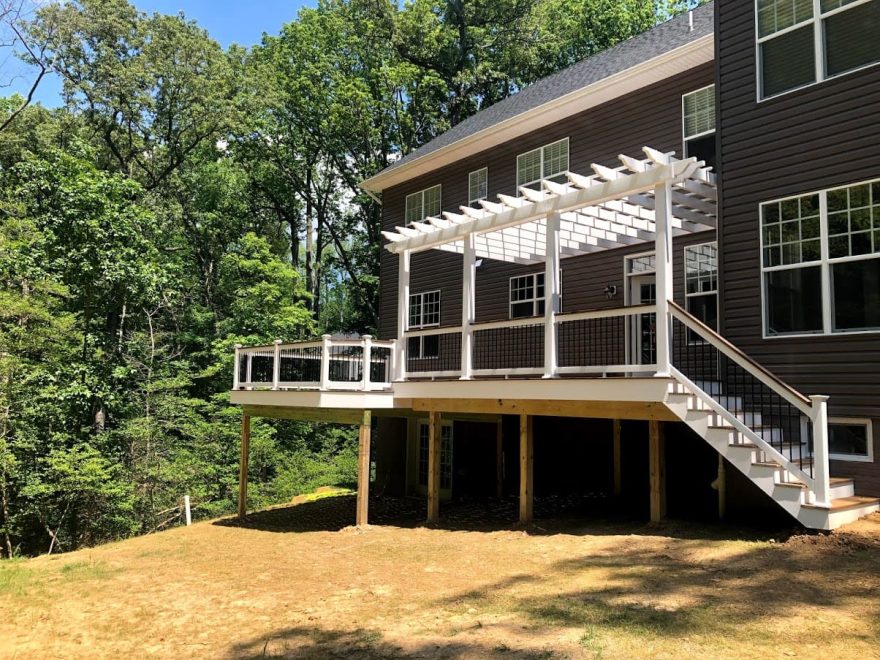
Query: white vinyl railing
[[362, 364]]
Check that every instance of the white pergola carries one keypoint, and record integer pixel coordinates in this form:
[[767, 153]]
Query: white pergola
[[644, 200]]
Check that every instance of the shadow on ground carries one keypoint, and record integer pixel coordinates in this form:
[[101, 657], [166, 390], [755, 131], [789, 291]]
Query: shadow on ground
[[580, 515]]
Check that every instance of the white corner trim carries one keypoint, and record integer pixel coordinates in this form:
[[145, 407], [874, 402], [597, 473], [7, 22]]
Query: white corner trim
[[663, 66]]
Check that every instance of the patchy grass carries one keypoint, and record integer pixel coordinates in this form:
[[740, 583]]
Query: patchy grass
[[604, 590]]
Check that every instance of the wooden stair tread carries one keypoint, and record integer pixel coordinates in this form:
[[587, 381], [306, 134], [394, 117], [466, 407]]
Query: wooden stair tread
[[846, 503], [840, 481]]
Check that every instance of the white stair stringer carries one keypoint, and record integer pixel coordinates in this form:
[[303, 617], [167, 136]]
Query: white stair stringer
[[764, 470]]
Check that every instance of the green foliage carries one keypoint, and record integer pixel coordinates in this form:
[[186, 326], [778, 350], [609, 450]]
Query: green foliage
[[187, 199]]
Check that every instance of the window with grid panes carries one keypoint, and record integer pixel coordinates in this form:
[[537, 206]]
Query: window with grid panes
[[478, 186], [527, 295], [424, 312], [698, 124], [701, 283], [423, 204], [547, 162], [794, 35]]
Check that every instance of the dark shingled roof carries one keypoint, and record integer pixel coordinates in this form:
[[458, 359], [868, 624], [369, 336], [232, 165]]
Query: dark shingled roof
[[659, 40]]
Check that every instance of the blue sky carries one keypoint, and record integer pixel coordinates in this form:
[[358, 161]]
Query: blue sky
[[228, 21]]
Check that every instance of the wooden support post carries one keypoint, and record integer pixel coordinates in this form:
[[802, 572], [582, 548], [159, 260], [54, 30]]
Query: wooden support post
[[657, 462], [363, 488], [618, 481], [526, 468], [434, 440], [243, 465], [499, 461]]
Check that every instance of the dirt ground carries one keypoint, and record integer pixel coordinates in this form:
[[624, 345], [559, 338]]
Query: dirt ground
[[295, 582]]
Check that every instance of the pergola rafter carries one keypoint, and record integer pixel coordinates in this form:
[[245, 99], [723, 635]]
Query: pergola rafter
[[611, 207]]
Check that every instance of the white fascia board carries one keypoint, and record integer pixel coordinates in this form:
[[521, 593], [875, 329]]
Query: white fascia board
[[651, 71]]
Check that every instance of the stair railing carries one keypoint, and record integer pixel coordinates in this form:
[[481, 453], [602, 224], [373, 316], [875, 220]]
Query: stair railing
[[784, 424]]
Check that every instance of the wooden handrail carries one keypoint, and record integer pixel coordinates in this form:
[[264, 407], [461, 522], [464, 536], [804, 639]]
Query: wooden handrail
[[736, 354]]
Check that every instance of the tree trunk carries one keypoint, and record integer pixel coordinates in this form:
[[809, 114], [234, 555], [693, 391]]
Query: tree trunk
[[310, 241]]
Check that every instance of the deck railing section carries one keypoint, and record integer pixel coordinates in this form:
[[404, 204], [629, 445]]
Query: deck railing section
[[785, 425], [327, 364]]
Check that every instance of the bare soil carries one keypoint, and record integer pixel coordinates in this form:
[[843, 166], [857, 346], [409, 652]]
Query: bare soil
[[296, 582]]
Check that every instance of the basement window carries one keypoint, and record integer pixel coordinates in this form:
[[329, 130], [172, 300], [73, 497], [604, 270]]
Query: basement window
[[850, 440]]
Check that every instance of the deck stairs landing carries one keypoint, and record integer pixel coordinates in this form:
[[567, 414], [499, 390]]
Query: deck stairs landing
[[765, 471]]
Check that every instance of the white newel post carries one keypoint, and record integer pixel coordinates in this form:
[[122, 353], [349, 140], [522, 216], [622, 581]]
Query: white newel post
[[367, 359], [821, 469], [663, 269], [402, 315], [551, 295], [235, 375], [325, 361], [468, 305], [249, 367], [276, 365]]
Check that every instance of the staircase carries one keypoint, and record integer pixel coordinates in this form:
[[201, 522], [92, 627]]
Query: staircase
[[771, 433]]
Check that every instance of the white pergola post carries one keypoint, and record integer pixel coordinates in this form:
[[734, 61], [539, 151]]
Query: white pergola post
[[468, 305], [551, 295], [402, 315], [663, 269]]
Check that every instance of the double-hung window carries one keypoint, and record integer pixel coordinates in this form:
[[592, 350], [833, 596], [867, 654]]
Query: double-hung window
[[805, 41], [526, 295], [423, 204], [478, 186], [698, 124], [424, 312], [701, 282], [547, 162], [820, 257]]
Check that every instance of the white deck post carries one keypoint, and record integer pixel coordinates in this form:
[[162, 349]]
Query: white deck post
[[367, 357], [235, 375], [821, 469], [663, 268], [551, 295], [276, 365], [402, 315], [468, 306], [325, 361], [249, 369]]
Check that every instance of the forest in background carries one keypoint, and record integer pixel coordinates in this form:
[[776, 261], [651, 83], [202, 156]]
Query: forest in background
[[186, 198]]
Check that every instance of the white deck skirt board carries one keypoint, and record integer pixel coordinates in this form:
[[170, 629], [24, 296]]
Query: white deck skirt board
[[313, 399], [628, 81], [603, 210], [642, 390]]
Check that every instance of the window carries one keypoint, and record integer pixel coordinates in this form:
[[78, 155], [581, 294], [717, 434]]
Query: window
[[547, 162], [445, 454], [851, 439], [698, 124], [424, 312], [701, 282], [526, 295], [478, 186], [820, 255], [805, 41], [423, 204]]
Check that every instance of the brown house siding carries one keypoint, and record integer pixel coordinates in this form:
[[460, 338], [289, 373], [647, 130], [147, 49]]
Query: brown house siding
[[650, 117], [814, 138]]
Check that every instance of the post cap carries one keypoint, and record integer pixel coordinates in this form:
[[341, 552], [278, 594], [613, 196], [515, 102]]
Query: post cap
[[366, 336], [278, 341], [238, 346], [326, 336]]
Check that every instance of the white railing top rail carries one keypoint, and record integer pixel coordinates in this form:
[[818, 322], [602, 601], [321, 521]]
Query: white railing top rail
[[346, 342]]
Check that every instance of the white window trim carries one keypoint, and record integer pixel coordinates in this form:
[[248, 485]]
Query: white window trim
[[824, 262], [688, 296], [421, 195], [544, 175], [685, 138], [474, 200], [421, 295], [818, 46], [855, 458], [534, 299]]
